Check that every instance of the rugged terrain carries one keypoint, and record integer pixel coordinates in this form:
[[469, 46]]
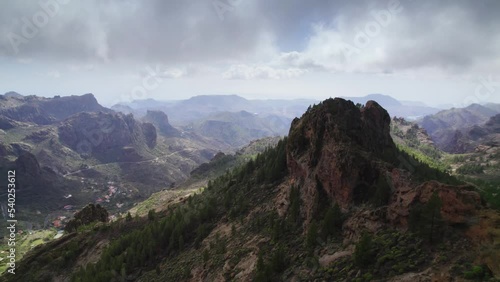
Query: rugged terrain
[[336, 200], [447, 128], [71, 151]]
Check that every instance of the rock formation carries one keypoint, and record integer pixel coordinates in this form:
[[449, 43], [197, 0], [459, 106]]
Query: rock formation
[[338, 152], [160, 120]]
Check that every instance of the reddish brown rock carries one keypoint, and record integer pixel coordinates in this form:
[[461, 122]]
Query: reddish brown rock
[[332, 150], [337, 152], [458, 202]]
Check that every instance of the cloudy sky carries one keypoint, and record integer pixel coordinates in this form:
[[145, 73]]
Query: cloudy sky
[[438, 52]]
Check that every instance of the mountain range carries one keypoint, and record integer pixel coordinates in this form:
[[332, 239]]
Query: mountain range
[[349, 194], [447, 127], [336, 200]]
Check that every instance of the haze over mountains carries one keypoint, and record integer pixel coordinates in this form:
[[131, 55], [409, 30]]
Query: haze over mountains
[[447, 128]]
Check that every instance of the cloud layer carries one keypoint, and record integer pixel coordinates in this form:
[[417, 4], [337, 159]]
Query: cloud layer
[[450, 35]]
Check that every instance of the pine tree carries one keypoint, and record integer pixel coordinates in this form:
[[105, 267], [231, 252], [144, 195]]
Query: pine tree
[[332, 223], [312, 236], [426, 220], [151, 215], [382, 192], [433, 212], [363, 253]]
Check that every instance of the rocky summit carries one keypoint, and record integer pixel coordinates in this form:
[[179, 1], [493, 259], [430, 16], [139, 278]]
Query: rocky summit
[[342, 153], [160, 120]]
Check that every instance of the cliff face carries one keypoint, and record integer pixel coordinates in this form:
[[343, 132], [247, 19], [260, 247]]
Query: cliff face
[[108, 137], [330, 151], [340, 153], [160, 120]]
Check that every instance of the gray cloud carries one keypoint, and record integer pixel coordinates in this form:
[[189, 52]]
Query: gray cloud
[[450, 35]]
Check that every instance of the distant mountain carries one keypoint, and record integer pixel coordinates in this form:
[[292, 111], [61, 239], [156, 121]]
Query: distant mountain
[[13, 94], [408, 110], [447, 128], [494, 107], [484, 137], [160, 120], [239, 128], [197, 108], [43, 111], [380, 98]]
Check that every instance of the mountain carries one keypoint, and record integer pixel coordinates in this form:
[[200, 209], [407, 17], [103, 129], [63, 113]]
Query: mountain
[[197, 108], [239, 128], [396, 108], [107, 137], [13, 94], [446, 127], [478, 163], [385, 100], [480, 139], [44, 111], [494, 107], [160, 120], [415, 140], [71, 151], [335, 201]]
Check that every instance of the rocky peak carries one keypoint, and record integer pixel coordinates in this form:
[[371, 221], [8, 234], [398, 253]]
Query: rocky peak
[[160, 120], [341, 153], [376, 126], [44, 111], [333, 151], [63, 107]]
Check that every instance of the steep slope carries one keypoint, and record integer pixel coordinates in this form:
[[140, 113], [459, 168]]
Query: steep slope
[[414, 140], [335, 201]]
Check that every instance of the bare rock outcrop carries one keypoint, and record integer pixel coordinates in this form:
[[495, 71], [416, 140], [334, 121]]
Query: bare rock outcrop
[[341, 153], [333, 150]]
